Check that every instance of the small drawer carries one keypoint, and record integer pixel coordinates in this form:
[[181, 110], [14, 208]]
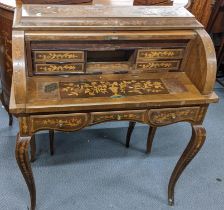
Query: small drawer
[[69, 122], [58, 56], [157, 54], [132, 115], [68, 68], [158, 65], [172, 115]]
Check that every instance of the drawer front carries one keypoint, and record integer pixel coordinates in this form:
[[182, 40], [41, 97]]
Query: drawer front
[[58, 56], [158, 65], [69, 122], [154, 54], [69, 68], [172, 115], [135, 115]]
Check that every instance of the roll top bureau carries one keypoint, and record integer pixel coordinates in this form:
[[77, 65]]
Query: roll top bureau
[[76, 66]]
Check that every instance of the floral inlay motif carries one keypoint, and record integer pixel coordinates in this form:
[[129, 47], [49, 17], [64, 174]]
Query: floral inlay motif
[[72, 122], [121, 116], [169, 116], [59, 67], [55, 56], [153, 65], [62, 122], [144, 54], [113, 89], [157, 54]]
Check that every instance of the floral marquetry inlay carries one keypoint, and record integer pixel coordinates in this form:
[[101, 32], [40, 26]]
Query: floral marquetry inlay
[[117, 116], [59, 123], [66, 68], [157, 65], [157, 54], [43, 56], [168, 116], [113, 89], [160, 54]]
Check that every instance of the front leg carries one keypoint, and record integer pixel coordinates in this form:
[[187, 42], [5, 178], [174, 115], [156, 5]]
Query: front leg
[[151, 135], [51, 137], [33, 149], [22, 157], [130, 130], [10, 119], [194, 146]]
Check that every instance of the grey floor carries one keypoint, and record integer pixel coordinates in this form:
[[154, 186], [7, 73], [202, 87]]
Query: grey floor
[[92, 170]]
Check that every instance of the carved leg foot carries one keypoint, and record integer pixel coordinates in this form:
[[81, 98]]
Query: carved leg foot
[[51, 137], [22, 157], [130, 130], [152, 131], [194, 146], [33, 149], [10, 119]]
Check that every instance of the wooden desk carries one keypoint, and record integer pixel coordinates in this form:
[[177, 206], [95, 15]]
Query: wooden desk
[[76, 66]]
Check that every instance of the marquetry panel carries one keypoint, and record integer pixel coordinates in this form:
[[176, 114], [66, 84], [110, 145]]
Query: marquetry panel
[[172, 115], [69, 56], [24, 126], [69, 122], [59, 68], [112, 89], [158, 65], [132, 115], [154, 54]]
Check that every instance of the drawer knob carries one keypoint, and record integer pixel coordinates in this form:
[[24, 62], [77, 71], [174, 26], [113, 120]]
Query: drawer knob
[[173, 116], [60, 125], [118, 117]]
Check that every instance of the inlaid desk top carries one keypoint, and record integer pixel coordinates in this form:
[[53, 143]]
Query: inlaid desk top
[[111, 92]]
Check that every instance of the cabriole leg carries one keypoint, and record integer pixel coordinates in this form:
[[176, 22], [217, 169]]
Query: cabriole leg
[[22, 157], [33, 149], [51, 137], [130, 130], [194, 146], [6, 108], [152, 131], [10, 119]]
